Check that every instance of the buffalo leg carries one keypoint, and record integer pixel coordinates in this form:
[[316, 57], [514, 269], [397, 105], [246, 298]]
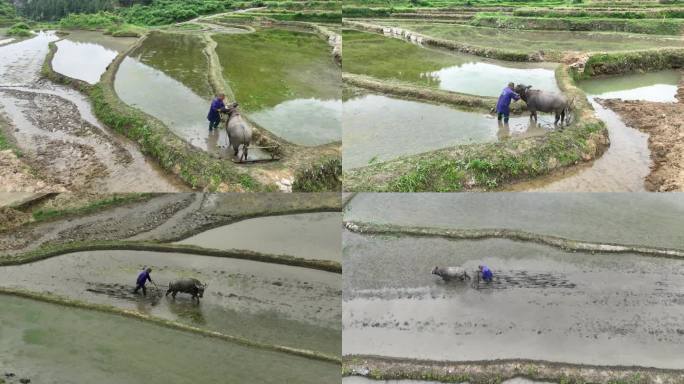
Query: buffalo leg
[[167, 292], [557, 118], [174, 294]]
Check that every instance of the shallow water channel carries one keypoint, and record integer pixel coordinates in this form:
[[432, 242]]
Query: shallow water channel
[[626, 163], [85, 55], [389, 58], [307, 235], [286, 81], [380, 128], [270, 303], [52, 344], [544, 303]]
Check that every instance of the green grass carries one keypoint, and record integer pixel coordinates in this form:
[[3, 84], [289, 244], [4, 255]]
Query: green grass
[[625, 62], [321, 177], [19, 30], [93, 206], [646, 26]]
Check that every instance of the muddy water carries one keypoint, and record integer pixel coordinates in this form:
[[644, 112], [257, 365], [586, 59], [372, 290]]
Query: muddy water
[[286, 81], [543, 303], [380, 128], [392, 59], [307, 235], [85, 55], [622, 218], [56, 126], [20, 62], [52, 344], [160, 94], [626, 163], [275, 304], [623, 167], [658, 86], [534, 41]]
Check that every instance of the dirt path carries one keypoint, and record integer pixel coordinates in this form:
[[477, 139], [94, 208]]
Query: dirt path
[[64, 146], [665, 126]]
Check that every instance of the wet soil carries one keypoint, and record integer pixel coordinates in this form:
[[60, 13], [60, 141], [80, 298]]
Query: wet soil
[[270, 303], [56, 130], [621, 218], [55, 345], [541, 297], [663, 123]]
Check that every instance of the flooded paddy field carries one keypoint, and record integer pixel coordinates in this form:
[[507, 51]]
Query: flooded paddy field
[[286, 82], [660, 86], [388, 58], [308, 235], [590, 304], [270, 303], [53, 344], [534, 41], [615, 218], [56, 129], [167, 77], [381, 128], [85, 55]]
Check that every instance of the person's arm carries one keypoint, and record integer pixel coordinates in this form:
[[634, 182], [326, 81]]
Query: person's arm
[[149, 278], [516, 97]]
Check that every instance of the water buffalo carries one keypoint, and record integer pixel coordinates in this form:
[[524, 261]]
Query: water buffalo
[[239, 132], [538, 100], [451, 273], [187, 285]]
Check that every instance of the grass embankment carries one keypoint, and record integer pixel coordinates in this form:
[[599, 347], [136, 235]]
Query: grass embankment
[[194, 166], [326, 175], [497, 371], [625, 62], [45, 214], [646, 26], [666, 13], [49, 251], [491, 165]]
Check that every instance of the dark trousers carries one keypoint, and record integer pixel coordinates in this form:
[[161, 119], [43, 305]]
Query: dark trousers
[[139, 287], [504, 115], [214, 123]]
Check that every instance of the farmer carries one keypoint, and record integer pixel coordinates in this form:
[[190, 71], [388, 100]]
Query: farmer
[[143, 277], [485, 273], [503, 105], [217, 106]]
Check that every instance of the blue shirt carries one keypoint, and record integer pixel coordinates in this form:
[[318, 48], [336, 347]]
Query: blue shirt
[[216, 106], [487, 273], [502, 106], [143, 277]]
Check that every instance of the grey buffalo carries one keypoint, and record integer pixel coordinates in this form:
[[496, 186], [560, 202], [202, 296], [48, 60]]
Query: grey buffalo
[[188, 285], [239, 132], [451, 273], [538, 100]]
